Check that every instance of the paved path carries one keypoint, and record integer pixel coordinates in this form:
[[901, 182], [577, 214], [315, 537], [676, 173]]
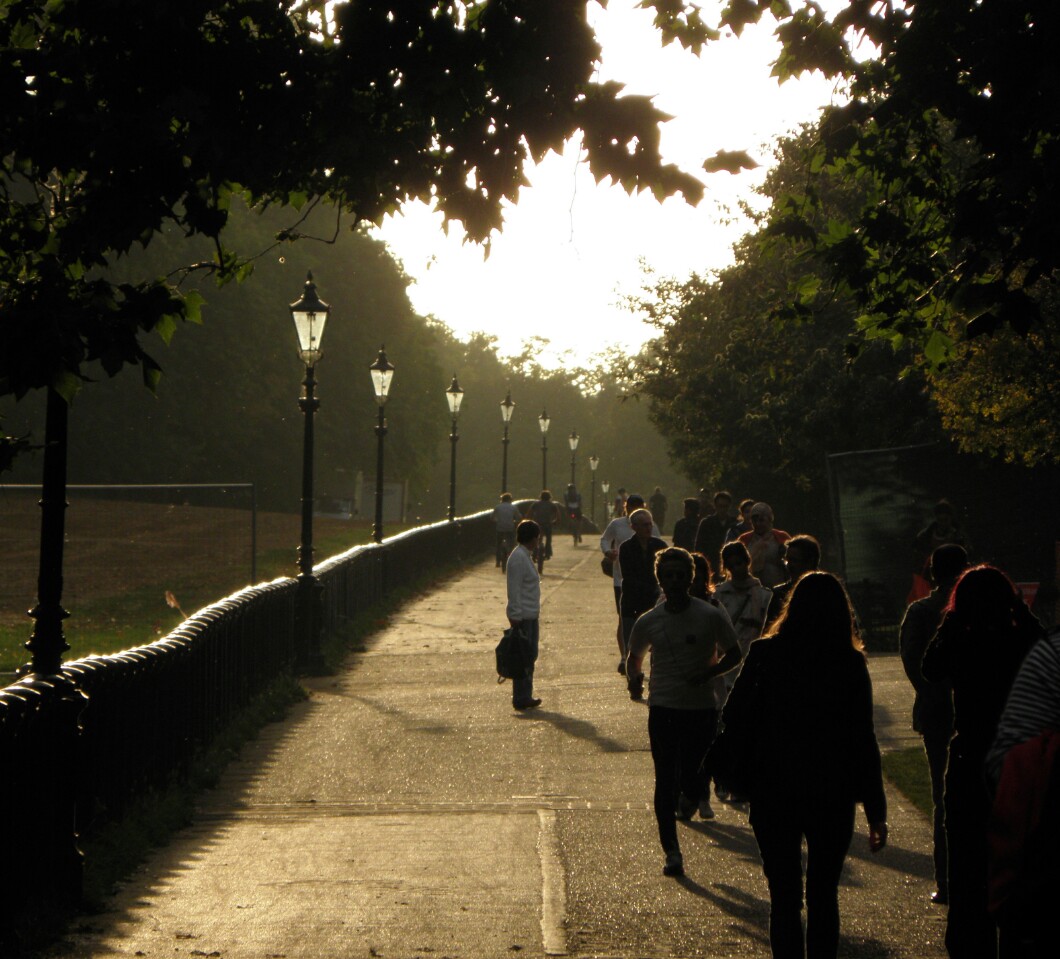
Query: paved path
[[406, 811]]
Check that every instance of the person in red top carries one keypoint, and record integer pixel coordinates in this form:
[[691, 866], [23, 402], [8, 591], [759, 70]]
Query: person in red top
[[766, 546]]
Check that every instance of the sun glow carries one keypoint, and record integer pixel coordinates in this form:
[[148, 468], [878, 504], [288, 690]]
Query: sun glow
[[572, 249]]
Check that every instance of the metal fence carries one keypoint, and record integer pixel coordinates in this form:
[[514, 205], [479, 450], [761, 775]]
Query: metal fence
[[77, 748]]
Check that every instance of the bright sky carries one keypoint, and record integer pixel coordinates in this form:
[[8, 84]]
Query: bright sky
[[572, 248]]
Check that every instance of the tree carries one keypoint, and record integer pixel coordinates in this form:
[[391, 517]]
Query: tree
[[952, 133], [227, 411], [121, 118], [754, 398], [953, 122]]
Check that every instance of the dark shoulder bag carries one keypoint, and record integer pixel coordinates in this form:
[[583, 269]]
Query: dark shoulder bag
[[513, 656]]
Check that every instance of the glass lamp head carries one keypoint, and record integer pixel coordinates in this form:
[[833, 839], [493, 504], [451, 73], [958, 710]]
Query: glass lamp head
[[382, 371], [309, 313], [454, 396]]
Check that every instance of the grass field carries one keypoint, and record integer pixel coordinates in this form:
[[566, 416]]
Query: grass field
[[907, 769], [121, 558]]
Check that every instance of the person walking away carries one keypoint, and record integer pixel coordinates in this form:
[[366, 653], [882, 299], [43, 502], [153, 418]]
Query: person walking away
[[524, 606], [640, 589], [618, 507], [572, 500], [614, 535], [1023, 770], [691, 643], [765, 543], [710, 534], [985, 634], [505, 516], [685, 528], [803, 701], [545, 513], [657, 504], [933, 702], [802, 553]]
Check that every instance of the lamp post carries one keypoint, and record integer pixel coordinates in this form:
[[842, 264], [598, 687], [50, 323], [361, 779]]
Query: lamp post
[[454, 396], [507, 408], [605, 488], [382, 373], [573, 440], [309, 313], [543, 422], [594, 461]]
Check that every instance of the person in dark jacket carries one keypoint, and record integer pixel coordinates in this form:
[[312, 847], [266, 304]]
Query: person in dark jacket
[[806, 691], [685, 528], [636, 557], [933, 703], [985, 634]]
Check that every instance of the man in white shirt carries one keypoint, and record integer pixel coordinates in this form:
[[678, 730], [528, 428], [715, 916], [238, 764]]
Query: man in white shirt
[[524, 606]]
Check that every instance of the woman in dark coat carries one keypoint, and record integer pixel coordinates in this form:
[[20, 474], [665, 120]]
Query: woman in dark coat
[[985, 634], [805, 697]]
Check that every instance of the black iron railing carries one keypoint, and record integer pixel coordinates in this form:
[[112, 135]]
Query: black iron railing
[[78, 747]]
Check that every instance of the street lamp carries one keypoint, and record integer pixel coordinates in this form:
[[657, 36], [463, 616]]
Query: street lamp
[[309, 313], [594, 461], [543, 422], [454, 396], [382, 373], [605, 488], [573, 440], [507, 408]]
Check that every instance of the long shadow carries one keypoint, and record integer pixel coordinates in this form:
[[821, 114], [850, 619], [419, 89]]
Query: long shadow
[[909, 862], [578, 728], [751, 912], [413, 720]]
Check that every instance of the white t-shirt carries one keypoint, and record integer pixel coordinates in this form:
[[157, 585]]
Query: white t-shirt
[[683, 644]]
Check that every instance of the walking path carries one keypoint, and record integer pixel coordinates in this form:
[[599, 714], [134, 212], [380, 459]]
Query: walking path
[[406, 811]]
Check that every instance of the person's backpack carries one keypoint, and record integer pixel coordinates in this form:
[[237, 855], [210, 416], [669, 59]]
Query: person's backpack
[[513, 655]]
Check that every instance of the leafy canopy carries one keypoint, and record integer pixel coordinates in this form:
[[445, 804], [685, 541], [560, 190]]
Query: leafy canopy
[[121, 118], [952, 126]]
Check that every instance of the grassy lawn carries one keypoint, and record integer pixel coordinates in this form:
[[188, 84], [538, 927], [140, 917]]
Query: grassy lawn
[[907, 769], [109, 622]]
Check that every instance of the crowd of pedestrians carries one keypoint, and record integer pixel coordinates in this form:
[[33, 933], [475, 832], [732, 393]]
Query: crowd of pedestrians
[[757, 683]]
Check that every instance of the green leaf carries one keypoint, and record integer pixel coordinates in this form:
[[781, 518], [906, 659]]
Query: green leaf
[[166, 327], [67, 385], [938, 348], [193, 303]]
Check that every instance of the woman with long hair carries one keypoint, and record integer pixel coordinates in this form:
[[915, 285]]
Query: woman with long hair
[[812, 756], [984, 635]]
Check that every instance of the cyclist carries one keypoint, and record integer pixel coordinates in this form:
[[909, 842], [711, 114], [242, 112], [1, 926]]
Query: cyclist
[[573, 502], [505, 516], [545, 513]]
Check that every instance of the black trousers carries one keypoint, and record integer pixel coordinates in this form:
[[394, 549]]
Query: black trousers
[[780, 823], [679, 740], [970, 930], [936, 746]]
